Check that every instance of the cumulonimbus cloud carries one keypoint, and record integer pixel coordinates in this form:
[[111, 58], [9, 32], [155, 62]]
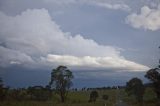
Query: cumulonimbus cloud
[[34, 38], [147, 19]]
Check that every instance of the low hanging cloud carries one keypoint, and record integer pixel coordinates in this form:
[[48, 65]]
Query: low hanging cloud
[[148, 19], [118, 63], [33, 39]]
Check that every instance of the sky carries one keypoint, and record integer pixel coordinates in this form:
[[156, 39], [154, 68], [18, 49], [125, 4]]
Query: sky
[[103, 42]]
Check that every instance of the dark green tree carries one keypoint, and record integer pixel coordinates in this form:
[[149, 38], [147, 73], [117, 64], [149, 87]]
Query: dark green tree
[[93, 96], [1, 83], [135, 87], [105, 97], [2, 90], [61, 80], [154, 76]]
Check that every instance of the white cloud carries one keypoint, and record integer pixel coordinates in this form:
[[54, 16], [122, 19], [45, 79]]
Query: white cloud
[[148, 19], [60, 2], [96, 62], [34, 39], [15, 62], [113, 6], [108, 4]]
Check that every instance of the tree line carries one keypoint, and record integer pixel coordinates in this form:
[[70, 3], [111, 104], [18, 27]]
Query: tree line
[[61, 82]]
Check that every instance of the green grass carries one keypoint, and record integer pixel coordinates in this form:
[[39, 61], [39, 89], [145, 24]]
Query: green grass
[[81, 98]]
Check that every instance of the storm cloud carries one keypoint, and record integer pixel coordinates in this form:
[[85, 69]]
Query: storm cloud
[[33, 38]]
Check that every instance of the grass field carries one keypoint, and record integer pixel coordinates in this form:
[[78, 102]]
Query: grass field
[[80, 98]]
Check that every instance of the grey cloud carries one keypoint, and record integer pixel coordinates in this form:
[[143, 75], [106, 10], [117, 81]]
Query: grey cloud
[[13, 57], [33, 35], [148, 19], [14, 7]]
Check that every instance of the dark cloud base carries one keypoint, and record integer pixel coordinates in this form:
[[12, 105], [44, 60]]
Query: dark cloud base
[[16, 77]]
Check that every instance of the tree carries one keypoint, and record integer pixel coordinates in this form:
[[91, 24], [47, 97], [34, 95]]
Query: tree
[[154, 76], [61, 80], [93, 96], [135, 87], [3, 90], [105, 97]]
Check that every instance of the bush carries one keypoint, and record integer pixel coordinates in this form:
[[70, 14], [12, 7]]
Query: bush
[[93, 96], [105, 97], [39, 93], [136, 88]]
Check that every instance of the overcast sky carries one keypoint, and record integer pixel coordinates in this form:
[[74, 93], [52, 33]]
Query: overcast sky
[[96, 39]]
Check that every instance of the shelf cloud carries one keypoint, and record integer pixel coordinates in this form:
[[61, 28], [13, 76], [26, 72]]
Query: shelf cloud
[[115, 63], [33, 39]]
